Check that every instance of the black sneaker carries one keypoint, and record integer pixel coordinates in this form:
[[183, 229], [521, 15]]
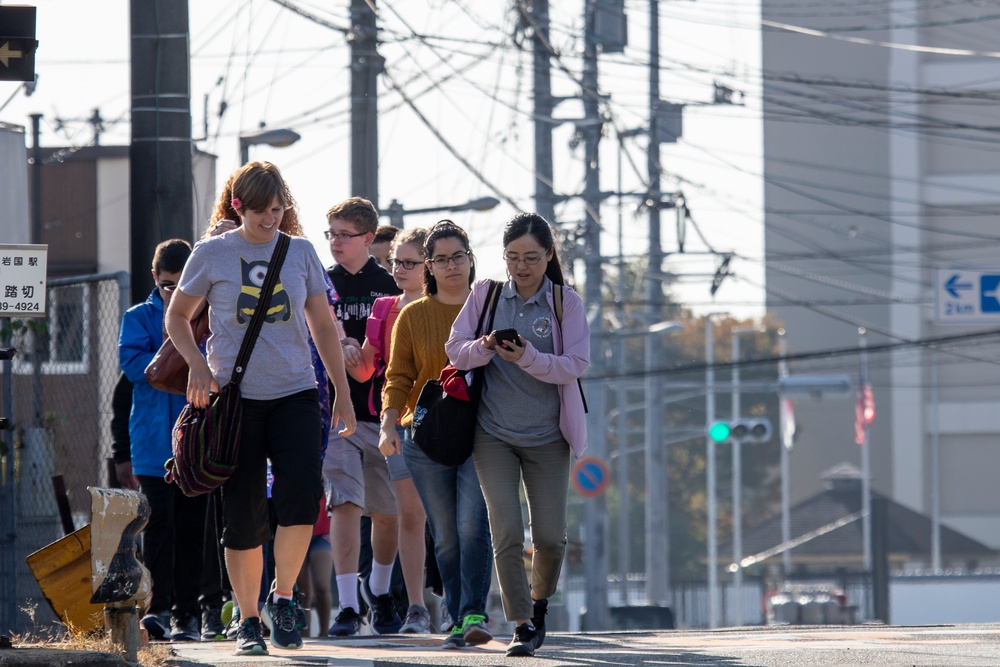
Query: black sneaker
[[157, 625], [382, 616], [538, 620], [281, 619], [455, 639], [474, 630], [301, 614], [212, 628], [523, 643], [250, 638], [347, 624], [184, 628], [234, 624]]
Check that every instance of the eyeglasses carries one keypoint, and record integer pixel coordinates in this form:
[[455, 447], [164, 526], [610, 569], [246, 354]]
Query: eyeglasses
[[407, 264], [528, 260], [167, 287], [459, 258], [343, 237]]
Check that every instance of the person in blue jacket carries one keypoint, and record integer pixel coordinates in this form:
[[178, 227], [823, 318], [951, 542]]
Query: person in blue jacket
[[174, 539]]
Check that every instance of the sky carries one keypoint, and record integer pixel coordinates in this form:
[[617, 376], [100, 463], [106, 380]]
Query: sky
[[459, 63]]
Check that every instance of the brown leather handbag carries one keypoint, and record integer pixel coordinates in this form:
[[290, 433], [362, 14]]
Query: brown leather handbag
[[168, 371]]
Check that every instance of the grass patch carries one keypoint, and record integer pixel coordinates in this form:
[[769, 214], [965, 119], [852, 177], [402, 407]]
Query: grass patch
[[60, 637]]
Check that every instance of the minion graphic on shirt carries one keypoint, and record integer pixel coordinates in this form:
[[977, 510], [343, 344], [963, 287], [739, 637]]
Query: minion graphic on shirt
[[254, 274]]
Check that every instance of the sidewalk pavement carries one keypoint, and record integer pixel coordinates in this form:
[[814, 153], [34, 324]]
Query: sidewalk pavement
[[949, 646]]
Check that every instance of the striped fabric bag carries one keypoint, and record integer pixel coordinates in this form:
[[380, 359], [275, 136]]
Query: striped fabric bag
[[206, 443]]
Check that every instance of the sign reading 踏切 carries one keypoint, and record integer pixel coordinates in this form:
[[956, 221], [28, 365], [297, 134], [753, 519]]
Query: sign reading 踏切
[[22, 280], [965, 295]]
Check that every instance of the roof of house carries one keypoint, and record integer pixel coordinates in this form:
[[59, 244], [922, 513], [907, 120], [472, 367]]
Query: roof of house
[[909, 531]]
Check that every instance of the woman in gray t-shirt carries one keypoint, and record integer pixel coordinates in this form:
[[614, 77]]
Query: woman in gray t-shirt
[[281, 417]]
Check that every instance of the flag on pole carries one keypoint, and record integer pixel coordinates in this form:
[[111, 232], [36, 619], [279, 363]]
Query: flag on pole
[[864, 410], [787, 421]]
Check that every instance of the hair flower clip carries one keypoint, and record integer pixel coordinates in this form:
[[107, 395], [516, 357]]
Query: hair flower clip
[[237, 204]]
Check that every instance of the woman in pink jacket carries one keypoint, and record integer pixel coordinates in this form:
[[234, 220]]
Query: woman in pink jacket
[[531, 417]]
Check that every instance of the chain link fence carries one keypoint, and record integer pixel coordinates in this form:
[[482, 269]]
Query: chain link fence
[[57, 394]]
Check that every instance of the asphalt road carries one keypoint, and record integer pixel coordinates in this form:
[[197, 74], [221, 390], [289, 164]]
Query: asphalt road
[[962, 645], [946, 645]]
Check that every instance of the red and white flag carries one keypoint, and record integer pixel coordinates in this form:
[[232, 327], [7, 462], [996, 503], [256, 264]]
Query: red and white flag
[[864, 409]]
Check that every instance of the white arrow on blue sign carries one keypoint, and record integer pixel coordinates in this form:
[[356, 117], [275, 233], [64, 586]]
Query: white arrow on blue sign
[[964, 295]]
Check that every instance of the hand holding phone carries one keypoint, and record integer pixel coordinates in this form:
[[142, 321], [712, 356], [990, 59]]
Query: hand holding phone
[[502, 336]]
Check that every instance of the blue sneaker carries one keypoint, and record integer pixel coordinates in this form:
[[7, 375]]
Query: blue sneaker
[[382, 616], [347, 624], [281, 619]]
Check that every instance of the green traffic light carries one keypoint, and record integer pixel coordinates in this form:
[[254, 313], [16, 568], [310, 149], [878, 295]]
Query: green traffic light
[[719, 431]]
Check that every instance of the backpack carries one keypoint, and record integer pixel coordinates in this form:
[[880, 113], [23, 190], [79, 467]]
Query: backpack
[[375, 332]]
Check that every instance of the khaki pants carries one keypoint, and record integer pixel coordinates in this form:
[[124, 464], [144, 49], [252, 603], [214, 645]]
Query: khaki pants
[[545, 473]]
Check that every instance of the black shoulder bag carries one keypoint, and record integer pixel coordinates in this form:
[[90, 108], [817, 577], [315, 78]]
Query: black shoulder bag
[[444, 425]]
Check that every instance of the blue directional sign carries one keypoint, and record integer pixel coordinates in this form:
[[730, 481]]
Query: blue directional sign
[[964, 295], [989, 302]]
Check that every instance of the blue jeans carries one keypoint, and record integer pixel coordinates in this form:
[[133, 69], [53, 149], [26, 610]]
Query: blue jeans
[[460, 526]]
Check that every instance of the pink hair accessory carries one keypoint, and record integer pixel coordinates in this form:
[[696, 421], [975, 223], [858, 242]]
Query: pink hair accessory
[[235, 201]]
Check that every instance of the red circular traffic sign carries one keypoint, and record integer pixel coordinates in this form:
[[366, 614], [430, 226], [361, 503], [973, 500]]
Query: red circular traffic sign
[[590, 476]]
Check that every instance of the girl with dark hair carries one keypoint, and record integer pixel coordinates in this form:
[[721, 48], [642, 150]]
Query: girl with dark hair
[[451, 496], [530, 419]]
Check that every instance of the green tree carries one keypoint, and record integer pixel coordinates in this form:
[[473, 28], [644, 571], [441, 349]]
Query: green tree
[[684, 411]]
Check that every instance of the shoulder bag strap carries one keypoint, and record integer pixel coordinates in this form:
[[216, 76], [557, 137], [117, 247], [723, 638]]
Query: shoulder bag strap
[[492, 296], [557, 300], [263, 301]]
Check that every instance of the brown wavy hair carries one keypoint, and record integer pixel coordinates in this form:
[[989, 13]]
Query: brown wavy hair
[[256, 184]]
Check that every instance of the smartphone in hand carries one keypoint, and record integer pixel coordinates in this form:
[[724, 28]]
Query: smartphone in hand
[[506, 336]]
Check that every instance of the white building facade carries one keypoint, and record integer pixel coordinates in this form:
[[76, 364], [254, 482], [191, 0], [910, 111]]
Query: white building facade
[[881, 166]]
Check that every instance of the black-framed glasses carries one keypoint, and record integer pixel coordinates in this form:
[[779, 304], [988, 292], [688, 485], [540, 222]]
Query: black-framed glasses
[[459, 258], [407, 264], [528, 260], [343, 237]]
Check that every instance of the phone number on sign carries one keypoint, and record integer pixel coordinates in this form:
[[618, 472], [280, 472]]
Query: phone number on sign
[[20, 306]]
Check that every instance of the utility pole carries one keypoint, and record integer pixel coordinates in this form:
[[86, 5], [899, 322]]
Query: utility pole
[[161, 204], [657, 496], [596, 510], [366, 65], [713, 548], [536, 15], [786, 468]]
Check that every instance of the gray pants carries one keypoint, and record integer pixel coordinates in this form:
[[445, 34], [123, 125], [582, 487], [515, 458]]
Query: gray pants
[[545, 472]]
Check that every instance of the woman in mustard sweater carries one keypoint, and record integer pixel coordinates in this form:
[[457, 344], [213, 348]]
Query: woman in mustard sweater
[[451, 496]]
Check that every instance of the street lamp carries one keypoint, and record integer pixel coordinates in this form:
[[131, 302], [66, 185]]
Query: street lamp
[[396, 210], [657, 555], [278, 138], [713, 547], [738, 475], [657, 522]]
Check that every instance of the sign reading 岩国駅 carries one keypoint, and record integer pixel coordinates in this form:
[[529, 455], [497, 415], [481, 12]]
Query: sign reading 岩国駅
[[964, 295], [22, 280]]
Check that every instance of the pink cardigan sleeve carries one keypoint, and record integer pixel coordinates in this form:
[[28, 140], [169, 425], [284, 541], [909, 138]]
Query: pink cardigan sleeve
[[465, 350]]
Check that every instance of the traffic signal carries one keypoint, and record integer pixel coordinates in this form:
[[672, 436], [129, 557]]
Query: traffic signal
[[743, 431], [719, 431]]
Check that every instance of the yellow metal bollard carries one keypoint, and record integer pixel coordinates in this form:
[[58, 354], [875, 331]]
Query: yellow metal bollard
[[120, 581]]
